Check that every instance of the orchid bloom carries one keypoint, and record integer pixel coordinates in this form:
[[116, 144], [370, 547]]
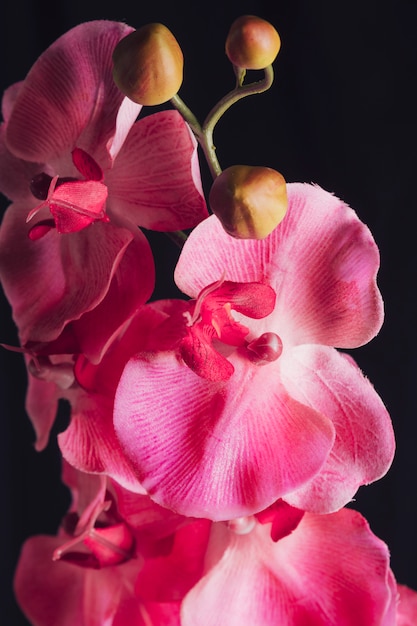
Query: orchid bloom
[[89, 443], [82, 175], [323, 570], [88, 574], [252, 403]]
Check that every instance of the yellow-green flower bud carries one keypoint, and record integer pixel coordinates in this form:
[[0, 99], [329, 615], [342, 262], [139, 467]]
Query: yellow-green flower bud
[[148, 65], [252, 43], [250, 201]]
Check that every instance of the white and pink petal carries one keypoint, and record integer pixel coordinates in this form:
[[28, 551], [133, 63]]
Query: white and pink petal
[[216, 450]]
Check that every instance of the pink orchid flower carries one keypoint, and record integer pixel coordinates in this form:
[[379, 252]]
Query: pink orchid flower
[[89, 443], [325, 570], [253, 403], [88, 574], [83, 175]]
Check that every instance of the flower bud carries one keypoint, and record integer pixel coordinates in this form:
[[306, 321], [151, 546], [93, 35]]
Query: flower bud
[[250, 201], [148, 65], [252, 43]]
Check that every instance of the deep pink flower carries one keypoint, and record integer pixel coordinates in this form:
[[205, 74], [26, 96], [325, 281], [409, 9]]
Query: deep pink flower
[[329, 571], [85, 175], [253, 403], [89, 443], [90, 573]]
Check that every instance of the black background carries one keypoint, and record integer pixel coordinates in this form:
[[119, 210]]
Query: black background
[[341, 113]]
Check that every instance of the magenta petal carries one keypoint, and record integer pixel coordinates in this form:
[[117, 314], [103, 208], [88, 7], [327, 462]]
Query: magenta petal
[[15, 174], [69, 88], [39, 581], [333, 385], [407, 606], [57, 278], [90, 444], [330, 571], [223, 450], [56, 593], [321, 261], [41, 406], [153, 182], [131, 285]]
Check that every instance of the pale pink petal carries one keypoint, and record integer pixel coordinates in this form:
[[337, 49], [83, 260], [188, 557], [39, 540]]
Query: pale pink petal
[[125, 119], [222, 451], [363, 451], [407, 606], [70, 89], [321, 261], [330, 571], [153, 182], [90, 444]]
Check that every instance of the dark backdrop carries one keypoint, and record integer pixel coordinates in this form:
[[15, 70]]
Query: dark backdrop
[[341, 113]]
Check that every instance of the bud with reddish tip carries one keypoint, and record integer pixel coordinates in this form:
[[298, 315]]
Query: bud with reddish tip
[[252, 43], [250, 201], [148, 65]]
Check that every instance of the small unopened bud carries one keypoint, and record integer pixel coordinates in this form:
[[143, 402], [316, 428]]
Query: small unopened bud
[[250, 201], [148, 65], [252, 43]]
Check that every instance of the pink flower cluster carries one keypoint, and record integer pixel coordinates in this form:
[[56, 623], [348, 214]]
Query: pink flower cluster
[[214, 440]]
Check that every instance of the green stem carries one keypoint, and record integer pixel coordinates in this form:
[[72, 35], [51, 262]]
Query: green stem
[[204, 133]]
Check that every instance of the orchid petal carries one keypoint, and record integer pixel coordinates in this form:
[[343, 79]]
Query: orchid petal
[[52, 593], [69, 89], [126, 116], [153, 182], [330, 570], [15, 174], [364, 446], [64, 274], [407, 606], [221, 453], [321, 261], [41, 406], [90, 444]]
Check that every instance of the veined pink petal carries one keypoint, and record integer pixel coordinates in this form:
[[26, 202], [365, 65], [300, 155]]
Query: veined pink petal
[[216, 450], [330, 571], [90, 444], [333, 385], [152, 183], [9, 98], [69, 89], [15, 174], [64, 274], [321, 261]]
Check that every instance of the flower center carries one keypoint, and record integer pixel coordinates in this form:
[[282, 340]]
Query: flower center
[[212, 329], [74, 204]]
